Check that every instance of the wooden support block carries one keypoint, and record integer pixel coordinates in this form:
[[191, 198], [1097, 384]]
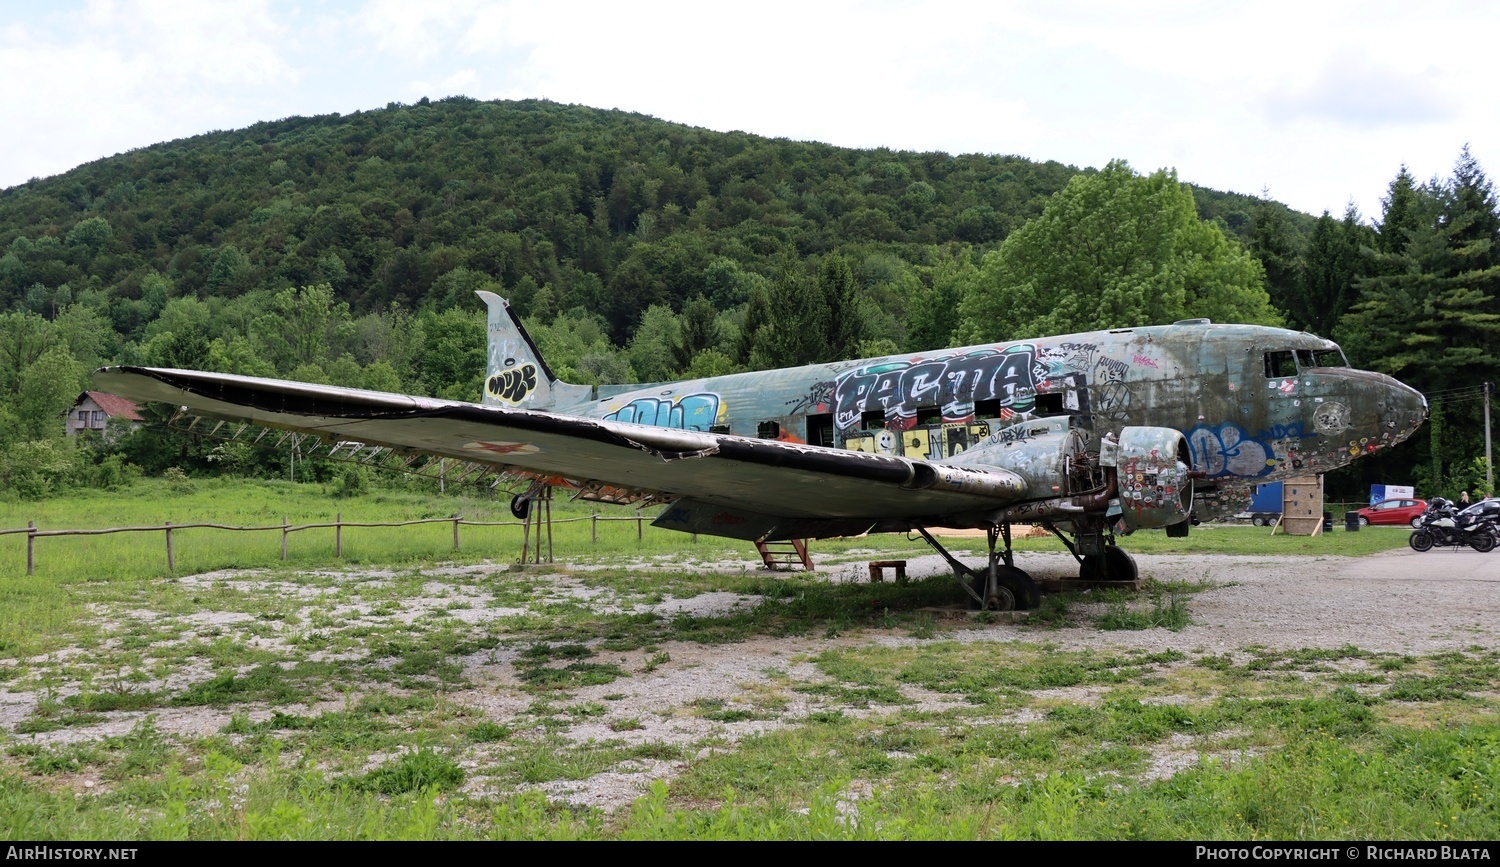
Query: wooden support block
[[878, 567]]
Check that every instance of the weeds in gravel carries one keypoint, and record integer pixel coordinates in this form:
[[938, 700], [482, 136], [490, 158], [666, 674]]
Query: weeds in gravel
[[421, 702]]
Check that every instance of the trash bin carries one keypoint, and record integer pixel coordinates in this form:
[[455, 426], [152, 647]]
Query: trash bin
[[1351, 522], [1328, 522]]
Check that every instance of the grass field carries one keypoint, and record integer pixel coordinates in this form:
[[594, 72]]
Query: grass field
[[411, 692]]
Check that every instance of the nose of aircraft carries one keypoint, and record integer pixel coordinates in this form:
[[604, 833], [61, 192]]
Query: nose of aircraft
[[1402, 411]]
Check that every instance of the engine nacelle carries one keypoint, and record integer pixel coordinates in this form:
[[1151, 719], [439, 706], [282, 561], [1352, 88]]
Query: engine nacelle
[[1152, 465]]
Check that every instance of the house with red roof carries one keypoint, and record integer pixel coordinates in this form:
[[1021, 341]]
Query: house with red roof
[[94, 409]]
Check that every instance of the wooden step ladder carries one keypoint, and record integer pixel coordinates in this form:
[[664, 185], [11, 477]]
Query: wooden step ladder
[[786, 555]]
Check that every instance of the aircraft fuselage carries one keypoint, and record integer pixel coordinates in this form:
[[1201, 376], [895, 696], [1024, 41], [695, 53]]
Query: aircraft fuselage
[[1255, 403]]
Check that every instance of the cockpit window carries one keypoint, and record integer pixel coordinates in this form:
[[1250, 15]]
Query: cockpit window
[[1280, 363], [1283, 363], [1321, 358]]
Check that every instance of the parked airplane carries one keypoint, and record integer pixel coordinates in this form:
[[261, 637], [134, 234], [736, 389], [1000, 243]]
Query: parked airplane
[[1089, 435]]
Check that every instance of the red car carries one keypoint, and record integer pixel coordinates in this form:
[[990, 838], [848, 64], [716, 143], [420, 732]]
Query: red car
[[1400, 511]]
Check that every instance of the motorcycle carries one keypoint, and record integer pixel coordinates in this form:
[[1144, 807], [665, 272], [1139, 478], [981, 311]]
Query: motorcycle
[[1444, 526]]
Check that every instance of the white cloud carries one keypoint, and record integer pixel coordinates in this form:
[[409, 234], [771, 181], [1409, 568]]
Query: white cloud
[[1317, 101]]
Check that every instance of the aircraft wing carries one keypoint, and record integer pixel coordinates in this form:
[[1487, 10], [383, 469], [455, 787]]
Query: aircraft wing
[[724, 485]]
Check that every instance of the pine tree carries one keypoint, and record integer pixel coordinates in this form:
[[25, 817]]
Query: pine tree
[[846, 326], [1276, 245]]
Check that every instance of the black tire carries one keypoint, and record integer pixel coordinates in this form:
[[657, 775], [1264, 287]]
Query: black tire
[[1365, 522], [1119, 565], [1015, 591], [520, 507], [1116, 565], [1483, 542], [1421, 540], [1258, 521], [1416, 523]]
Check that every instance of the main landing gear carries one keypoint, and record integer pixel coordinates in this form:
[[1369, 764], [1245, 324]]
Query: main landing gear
[[1099, 558], [1001, 586]]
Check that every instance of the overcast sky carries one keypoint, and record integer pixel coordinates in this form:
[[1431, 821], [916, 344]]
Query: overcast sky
[[1318, 101]]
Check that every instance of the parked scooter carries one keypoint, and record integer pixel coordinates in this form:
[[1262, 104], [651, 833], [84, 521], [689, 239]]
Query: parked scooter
[[1444, 526]]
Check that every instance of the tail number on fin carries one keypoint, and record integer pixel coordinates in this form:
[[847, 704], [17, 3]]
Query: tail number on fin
[[512, 386]]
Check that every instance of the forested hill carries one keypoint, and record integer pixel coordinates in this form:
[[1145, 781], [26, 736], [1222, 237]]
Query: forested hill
[[417, 205]]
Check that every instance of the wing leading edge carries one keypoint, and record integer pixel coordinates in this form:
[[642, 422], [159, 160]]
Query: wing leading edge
[[725, 485]]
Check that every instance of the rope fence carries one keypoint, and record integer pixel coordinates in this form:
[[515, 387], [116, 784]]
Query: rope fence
[[286, 528]]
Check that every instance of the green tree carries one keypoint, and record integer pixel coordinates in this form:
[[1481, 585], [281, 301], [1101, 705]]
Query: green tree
[[1113, 250], [1430, 315], [845, 321], [1401, 214], [697, 330], [653, 349], [1332, 267], [1277, 246], [45, 390], [799, 318], [306, 325], [935, 311]]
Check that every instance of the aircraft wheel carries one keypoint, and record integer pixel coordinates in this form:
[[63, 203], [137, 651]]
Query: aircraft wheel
[[1420, 541], [1483, 542], [1119, 565], [1116, 565], [1015, 591], [520, 507]]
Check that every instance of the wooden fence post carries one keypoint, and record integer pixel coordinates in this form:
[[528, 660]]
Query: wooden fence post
[[283, 536], [171, 561], [594, 528], [456, 519], [30, 547], [638, 517], [338, 534]]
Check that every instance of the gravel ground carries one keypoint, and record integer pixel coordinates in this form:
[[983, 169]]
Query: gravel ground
[[1396, 602]]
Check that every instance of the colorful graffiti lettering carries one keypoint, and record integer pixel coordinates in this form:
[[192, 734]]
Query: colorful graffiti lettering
[[513, 385], [688, 412], [1228, 450], [1145, 361], [899, 388]]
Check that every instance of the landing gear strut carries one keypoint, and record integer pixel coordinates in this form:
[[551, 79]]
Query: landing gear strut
[[1001, 586]]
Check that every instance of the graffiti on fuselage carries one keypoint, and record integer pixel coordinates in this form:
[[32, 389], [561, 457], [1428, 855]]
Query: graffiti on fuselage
[[817, 400], [929, 442], [954, 383], [697, 411], [1229, 450]]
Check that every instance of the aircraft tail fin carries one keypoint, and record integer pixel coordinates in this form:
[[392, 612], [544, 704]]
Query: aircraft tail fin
[[515, 373]]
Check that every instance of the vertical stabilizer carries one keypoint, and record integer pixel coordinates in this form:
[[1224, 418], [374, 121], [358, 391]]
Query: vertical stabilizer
[[515, 374]]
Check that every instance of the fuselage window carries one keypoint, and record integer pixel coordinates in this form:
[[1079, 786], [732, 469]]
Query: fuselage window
[[718, 428], [1281, 363], [1049, 404], [929, 415], [987, 408], [872, 419], [820, 429], [768, 430]]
